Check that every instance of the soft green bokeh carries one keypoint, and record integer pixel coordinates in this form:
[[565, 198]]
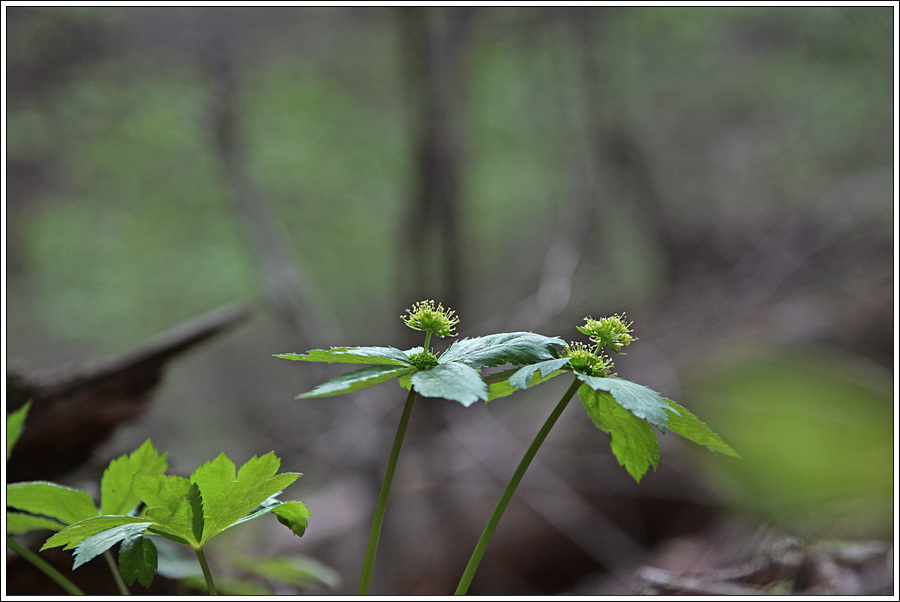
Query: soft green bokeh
[[816, 436]]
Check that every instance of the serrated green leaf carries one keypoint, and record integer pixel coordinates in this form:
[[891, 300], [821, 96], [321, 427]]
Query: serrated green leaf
[[138, 560], [499, 384], [357, 380], [292, 515], [227, 498], [522, 379], [173, 504], [457, 382], [116, 493], [515, 348], [692, 428], [14, 424], [75, 534], [18, 523], [632, 439], [40, 497], [96, 544], [639, 400], [351, 355]]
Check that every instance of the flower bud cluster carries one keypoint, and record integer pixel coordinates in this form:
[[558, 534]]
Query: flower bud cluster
[[424, 315], [612, 332]]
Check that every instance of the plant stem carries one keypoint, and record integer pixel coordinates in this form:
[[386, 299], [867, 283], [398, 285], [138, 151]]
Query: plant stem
[[45, 568], [475, 560], [206, 574], [375, 533], [117, 576], [427, 340]]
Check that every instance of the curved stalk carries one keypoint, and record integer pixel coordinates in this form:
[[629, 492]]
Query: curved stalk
[[492, 523], [117, 576], [206, 574], [44, 567], [378, 519]]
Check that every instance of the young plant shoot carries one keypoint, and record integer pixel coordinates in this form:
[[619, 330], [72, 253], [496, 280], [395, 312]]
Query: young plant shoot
[[454, 375], [187, 511], [625, 410]]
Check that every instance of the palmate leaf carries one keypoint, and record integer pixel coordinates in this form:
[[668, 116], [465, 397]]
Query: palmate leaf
[[138, 560], [515, 348], [357, 380], [174, 506], [351, 355], [228, 497], [632, 439], [692, 428], [116, 493], [49, 499], [457, 382], [639, 400]]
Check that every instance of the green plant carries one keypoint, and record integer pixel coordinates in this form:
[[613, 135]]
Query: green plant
[[625, 410], [188, 511], [455, 375]]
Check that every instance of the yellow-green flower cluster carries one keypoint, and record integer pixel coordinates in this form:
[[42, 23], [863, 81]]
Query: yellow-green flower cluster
[[612, 332], [583, 360], [424, 315]]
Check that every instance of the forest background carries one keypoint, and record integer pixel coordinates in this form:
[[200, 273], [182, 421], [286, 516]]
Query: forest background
[[723, 175]]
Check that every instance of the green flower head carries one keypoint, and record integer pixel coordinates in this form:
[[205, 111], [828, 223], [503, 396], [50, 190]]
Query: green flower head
[[612, 332], [583, 360], [424, 315]]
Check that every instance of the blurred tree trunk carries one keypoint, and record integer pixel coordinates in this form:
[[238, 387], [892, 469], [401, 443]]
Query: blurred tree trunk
[[286, 289], [431, 258]]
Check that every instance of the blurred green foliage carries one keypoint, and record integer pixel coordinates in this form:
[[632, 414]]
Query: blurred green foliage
[[816, 433]]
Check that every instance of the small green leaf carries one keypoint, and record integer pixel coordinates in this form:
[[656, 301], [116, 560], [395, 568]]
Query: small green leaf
[[515, 348], [639, 400], [357, 380], [227, 498], [500, 384], [351, 355], [40, 497], [292, 515], [14, 424], [457, 382], [173, 504], [522, 379], [116, 493], [138, 560], [690, 427], [631, 438], [74, 535], [18, 523], [96, 544]]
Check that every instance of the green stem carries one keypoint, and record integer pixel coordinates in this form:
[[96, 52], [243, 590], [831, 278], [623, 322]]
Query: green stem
[[377, 521], [475, 560], [427, 339], [45, 568], [117, 576], [206, 574]]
